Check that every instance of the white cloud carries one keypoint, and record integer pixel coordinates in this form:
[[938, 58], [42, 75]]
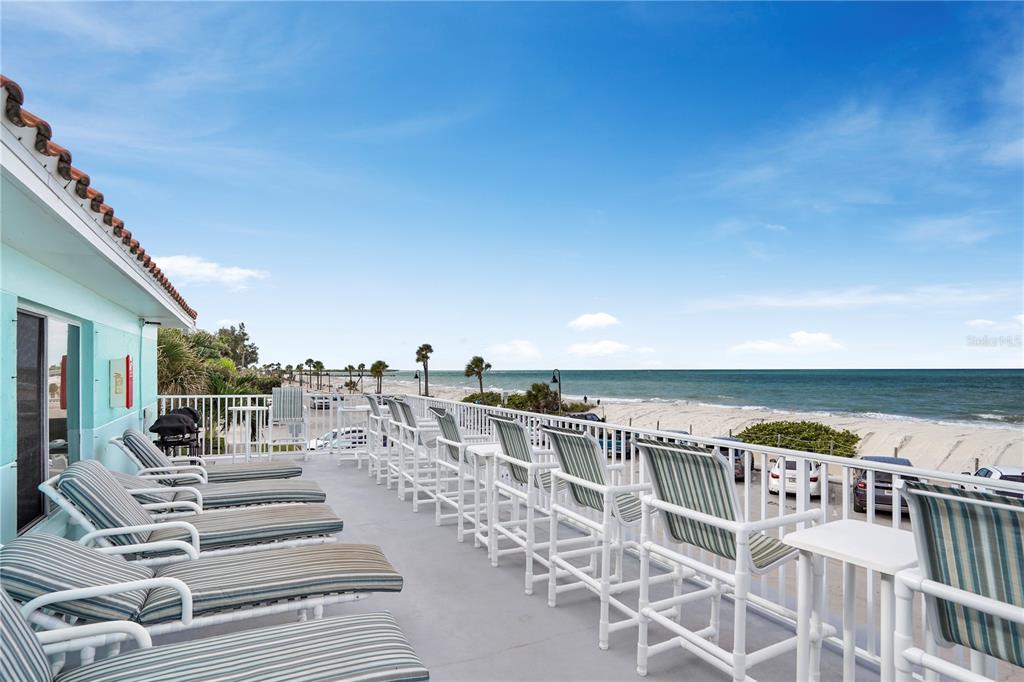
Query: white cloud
[[518, 348], [980, 323], [1019, 318], [196, 270], [796, 342], [594, 321], [597, 348], [644, 349], [864, 297]]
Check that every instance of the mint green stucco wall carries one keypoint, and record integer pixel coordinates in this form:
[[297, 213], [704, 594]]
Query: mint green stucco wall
[[108, 331]]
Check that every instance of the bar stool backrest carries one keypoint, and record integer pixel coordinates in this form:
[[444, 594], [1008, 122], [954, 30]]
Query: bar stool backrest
[[579, 455], [515, 444], [972, 541], [695, 480], [449, 431]]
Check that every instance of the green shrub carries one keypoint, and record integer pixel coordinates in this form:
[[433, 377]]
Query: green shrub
[[804, 436], [576, 407], [489, 398]]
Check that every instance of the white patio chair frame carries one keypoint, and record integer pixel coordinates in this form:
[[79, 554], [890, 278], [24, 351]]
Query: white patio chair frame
[[463, 470], [190, 549], [609, 534], [704, 643], [528, 504], [415, 465], [305, 607], [915, 580], [376, 433]]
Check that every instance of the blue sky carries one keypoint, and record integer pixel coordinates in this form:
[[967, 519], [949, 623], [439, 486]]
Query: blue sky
[[571, 185]]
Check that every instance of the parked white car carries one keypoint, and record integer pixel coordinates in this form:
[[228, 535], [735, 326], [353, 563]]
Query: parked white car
[[792, 482], [345, 440], [997, 473]]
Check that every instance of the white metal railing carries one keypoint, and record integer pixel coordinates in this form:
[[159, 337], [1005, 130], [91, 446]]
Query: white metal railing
[[834, 477], [224, 420], [828, 481]]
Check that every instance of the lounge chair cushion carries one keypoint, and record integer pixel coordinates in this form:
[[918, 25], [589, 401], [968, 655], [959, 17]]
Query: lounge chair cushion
[[363, 647], [150, 456], [246, 580], [232, 527], [227, 472], [33, 565], [98, 495], [237, 494], [21, 656], [147, 453]]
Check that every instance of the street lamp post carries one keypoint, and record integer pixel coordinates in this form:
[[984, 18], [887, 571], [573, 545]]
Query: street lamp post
[[556, 378], [419, 384]]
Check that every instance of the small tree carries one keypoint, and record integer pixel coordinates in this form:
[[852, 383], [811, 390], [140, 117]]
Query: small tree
[[361, 368], [423, 357], [377, 370], [476, 368]]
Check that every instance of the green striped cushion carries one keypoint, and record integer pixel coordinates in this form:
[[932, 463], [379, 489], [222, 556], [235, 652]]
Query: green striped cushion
[[364, 647], [975, 548], [694, 480], [99, 496], [233, 527], [374, 405], [544, 481], [395, 410], [286, 403], [449, 431], [130, 482], [230, 472], [246, 580], [149, 456], [21, 656], [33, 565], [237, 494], [515, 444], [579, 456]]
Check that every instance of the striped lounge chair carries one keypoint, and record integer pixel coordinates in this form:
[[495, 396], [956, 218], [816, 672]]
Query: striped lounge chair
[[605, 507], [695, 494], [453, 465], [63, 576], [110, 515], [150, 459], [970, 548], [224, 495], [364, 648]]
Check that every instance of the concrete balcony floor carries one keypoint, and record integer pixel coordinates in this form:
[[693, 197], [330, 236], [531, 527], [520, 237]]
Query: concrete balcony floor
[[469, 621]]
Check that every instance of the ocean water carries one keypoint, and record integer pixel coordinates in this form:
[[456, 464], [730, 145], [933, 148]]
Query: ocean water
[[994, 397]]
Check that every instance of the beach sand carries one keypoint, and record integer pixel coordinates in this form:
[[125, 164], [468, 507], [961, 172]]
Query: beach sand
[[943, 446]]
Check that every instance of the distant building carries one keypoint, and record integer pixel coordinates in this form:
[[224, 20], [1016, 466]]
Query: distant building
[[80, 302]]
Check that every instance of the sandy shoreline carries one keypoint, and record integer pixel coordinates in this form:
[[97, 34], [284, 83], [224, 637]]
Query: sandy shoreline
[[931, 445]]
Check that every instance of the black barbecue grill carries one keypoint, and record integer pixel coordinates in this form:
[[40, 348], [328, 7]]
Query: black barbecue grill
[[178, 430]]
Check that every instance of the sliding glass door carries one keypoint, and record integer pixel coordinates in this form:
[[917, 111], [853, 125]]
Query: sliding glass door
[[49, 416]]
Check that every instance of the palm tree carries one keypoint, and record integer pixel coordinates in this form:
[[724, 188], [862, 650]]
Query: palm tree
[[319, 367], [180, 369], [291, 374], [350, 369], [377, 370], [361, 368], [298, 368], [309, 368], [476, 368], [423, 357]]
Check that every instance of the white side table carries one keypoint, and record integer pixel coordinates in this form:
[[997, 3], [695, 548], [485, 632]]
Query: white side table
[[868, 545], [483, 535]]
